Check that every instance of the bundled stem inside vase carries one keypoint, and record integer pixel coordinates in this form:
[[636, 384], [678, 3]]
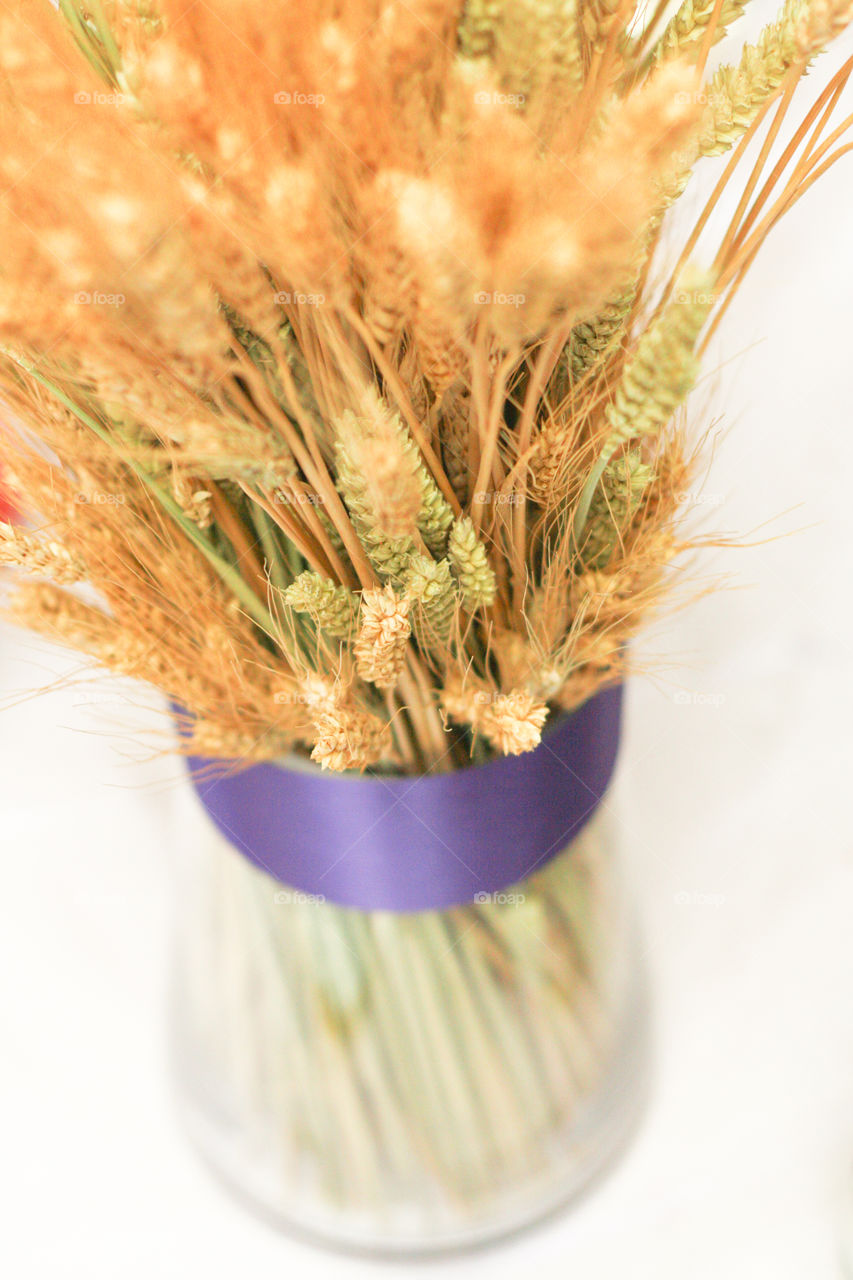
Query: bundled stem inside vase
[[409, 1074]]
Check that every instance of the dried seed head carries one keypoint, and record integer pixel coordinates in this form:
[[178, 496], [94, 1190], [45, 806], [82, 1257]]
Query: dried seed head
[[614, 506], [331, 606], [349, 739], [43, 559], [465, 696], [193, 498], [470, 564], [663, 369], [319, 693], [388, 490], [391, 484], [380, 647], [430, 585], [454, 426], [522, 665], [820, 22], [46, 608], [513, 722]]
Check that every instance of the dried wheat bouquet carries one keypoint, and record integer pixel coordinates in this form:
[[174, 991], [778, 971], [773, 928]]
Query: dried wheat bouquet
[[344, 353], [337, 354]]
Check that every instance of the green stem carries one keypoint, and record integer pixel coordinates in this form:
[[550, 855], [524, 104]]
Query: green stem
[[587, 495], [264, 528], [87, 40]]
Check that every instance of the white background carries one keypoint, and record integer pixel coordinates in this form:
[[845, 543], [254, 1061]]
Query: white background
[[735, 801]]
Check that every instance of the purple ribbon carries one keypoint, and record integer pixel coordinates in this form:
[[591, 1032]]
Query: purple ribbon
[[418, 843]]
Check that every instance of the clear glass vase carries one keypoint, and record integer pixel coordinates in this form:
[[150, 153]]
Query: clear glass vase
[[407, 1081]]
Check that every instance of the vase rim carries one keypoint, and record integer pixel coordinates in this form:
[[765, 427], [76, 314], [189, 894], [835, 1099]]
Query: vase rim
[[419, 842]]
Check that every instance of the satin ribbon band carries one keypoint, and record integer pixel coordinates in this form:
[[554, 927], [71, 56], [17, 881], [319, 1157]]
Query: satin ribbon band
[[418, 843]]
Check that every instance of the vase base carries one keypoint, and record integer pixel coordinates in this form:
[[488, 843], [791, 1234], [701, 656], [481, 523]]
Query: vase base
[[578, 1157]]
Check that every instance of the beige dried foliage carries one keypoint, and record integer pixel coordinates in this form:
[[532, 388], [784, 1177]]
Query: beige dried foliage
[[339, 358]]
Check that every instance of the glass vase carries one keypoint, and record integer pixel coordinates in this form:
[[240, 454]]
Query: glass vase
[[407, 1081]]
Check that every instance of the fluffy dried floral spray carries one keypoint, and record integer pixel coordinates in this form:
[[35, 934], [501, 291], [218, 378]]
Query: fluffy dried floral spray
[[332, 351]]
